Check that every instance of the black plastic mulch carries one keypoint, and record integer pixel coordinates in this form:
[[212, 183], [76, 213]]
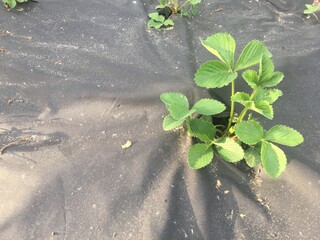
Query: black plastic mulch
[[81, 78]]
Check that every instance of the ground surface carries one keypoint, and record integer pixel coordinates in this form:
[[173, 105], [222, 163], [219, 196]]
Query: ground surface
[[81, 78]]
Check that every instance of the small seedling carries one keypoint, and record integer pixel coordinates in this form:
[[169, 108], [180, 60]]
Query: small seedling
[[12, 3], [167, 8], [157, 21], [313, 8], [239, 138]]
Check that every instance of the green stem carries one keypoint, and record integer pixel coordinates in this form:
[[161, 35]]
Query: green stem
[[183, 4], [175, 6], [244, 111], [242, 114], [232, 106]]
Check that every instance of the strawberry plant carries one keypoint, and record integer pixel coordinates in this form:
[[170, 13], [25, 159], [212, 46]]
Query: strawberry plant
[[313, 8], [167, 8], [157, 21], [242, 137]]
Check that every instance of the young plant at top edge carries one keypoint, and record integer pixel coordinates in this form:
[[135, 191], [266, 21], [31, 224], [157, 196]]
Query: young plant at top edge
[[243, 137], [313, 8], [167, 8]]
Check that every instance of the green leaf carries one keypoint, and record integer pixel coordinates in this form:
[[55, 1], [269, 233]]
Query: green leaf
[[168, 22], [273, 159], [260, 104], [267, 76], [156, 17], [252, 157], [274, 80], [214, 74], [194, 10], [263, 107], [177, 104], [251, 55], [194, 2], [242, 98], [203, 130], [229, 150], [223, 46], [284, 135], [172, 97], [251, 77], [11, 3], [206, 118], [269, 95], [311, 9], [154, 24], [209, 107], [308, 11], [184, 12], [160, 6], [249, 132], [169, 123], [266, 68], [200, 155], [178, 111]]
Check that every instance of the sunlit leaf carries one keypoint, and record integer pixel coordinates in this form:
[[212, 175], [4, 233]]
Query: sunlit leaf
[[249, 132], [153, 24], [170, 123], [251, 77], [251, 55], [209, 107], [267, 76], [274, 80], [200, 155], [266, 68], [242, 98], [156, 17], [194, 2], [229, 150], [311, 9], [11, 3], [168, 22], [178, 111], [223, 46], [273, 159], [284, 135], [214, 74], [269, 95], [252, 157], [203, 130], [263, 107], [172, 97]]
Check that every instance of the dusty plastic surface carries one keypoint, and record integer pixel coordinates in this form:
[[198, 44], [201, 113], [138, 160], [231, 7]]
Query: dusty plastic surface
[[81, 78]]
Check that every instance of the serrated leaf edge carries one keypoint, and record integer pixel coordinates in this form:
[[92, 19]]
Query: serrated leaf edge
[[285, 126]]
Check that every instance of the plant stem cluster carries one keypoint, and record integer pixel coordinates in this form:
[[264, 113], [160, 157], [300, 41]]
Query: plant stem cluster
[[167, 8]]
